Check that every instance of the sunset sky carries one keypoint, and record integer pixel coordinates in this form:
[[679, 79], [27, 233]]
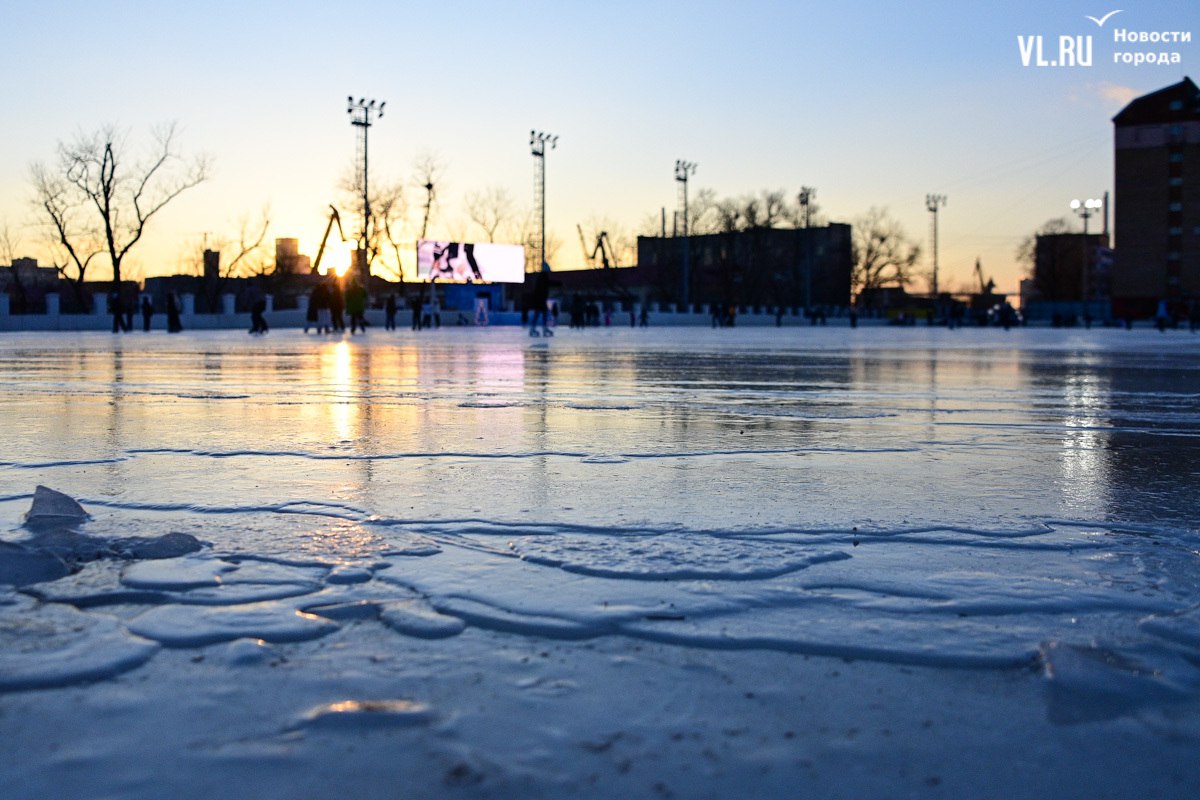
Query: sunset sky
[[873, 103]]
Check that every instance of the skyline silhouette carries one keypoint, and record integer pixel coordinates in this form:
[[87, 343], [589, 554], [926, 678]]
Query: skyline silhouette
[[871, 104]]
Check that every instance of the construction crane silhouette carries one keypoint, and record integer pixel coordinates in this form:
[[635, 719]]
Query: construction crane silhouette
[[603, 248], [333, 217], [985, 288]]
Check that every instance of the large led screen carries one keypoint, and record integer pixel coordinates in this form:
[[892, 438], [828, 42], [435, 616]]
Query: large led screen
[[461, 262]]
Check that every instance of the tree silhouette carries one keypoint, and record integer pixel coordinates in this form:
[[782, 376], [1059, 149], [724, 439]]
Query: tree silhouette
[[490, 209], [98, 203], [883, 253]]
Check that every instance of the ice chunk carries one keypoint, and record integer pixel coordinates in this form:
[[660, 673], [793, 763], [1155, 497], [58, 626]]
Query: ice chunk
[[344, 574], [196, 626], [1182, 628], [169, 545], [20, 566], [358, 714], [206, 571], [418, 618], [46, 645], [247, 652], [1089, 684], [54, 508], [176, 574], [341, 612]]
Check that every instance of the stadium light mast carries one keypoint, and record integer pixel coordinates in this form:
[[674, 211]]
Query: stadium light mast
[[537, 145], [933, 202], [363, 113], [684, 169], [1085, 209]]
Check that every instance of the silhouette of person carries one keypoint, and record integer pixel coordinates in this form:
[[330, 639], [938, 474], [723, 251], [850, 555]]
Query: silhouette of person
[[115, 307], [416, 302], [356, 306], [540, 303], [389, 309], [318, 302], [310, 314], [174, 325], [147, 313], [337, 304], [258, 323]]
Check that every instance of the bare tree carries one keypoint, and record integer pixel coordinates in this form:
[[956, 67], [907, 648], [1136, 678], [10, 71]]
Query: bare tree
[[428, 173], [98, 205], [249, 256], [490, 209], [702, 210], [883, 253], [9, 242], [526, 232]]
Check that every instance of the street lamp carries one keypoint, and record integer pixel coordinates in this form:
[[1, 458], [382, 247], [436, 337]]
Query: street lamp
[[683, 169], [537, 145], [1085, 209], [362, 113]]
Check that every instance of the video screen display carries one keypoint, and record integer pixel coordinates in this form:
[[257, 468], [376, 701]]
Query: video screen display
[[463, 262]]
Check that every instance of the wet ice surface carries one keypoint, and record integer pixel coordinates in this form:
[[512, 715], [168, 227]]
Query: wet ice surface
[[971, 503]]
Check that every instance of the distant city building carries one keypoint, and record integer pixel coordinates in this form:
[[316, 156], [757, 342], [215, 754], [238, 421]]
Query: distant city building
[[288, 260], [1157, 183], [25, 272], [212, 266], [764, 267]]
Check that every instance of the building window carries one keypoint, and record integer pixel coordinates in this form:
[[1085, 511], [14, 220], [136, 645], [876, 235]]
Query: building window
[[1176, 181], [1175, 207], [1176, 105], [1176, 158]]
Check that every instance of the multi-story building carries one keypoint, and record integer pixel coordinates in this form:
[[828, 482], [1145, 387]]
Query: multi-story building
[[767, 267], [1157, 182]]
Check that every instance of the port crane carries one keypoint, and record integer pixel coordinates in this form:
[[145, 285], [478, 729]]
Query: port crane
[[333, 218], [985, 288], [603, 248]]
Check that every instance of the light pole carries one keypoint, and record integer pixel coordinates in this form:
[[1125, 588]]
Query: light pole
[[537, 145], [807, 193], [1085, 209], [362, 113], [933, 202], [682, 170]]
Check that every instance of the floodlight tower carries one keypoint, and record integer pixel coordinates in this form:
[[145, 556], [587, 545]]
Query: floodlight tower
[[933, 202], [807, 193], [684, 169], [362, 115], [537, 145], [1085, 209]]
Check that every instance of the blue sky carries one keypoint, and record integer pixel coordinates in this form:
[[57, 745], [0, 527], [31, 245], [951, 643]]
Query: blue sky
[[873, 103]]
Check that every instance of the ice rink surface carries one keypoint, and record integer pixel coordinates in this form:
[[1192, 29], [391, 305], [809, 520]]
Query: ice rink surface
[[616, 563]]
